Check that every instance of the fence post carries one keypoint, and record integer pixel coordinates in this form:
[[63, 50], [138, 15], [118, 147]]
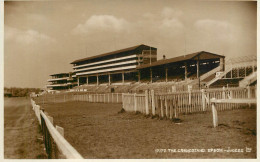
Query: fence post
[[117, 97], [51, 119], [248, 91], [161, 107], [249, 94], [203, 99], [189, 90], [231, 94], [153, 102], [123, 103], [166, 107], [135, 102], [146, 103], [173, 88], [215, 115], [60, 130]]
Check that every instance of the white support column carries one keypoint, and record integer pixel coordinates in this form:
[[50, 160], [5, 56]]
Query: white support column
[[151, 75], [139, 76], [198, 69], [87, 80], [123, 77], [186, 72], [166, 74], [109, 79], [78, 81], [97, 80]]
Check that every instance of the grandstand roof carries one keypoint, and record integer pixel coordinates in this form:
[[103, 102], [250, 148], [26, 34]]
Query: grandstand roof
[[111, 53], [59, 74], [203, 55]]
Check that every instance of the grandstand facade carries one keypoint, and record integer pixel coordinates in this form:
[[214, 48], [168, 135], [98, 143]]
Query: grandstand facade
[[137, 68], [61, 81], [139, 64], [114, 67]]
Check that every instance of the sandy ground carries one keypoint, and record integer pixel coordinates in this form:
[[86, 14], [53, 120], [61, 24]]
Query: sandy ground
[[99, 131], [21, 131]]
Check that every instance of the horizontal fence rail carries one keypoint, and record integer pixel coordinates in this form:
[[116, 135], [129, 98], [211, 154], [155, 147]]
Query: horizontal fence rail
[[56, 145], [88, 97], [228, 102]]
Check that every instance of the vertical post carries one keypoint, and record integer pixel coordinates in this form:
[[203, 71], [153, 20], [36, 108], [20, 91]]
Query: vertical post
[[171, 108], [139, 76], [109, 79], [203, 99], [123, 77], [166, 74], [117, 97], [198, 68], [174, 88], [151, 75], [78, 81], [189, 90], [215, 115], [161, 107], [87, 80], [146, 103], [135, 103], [186, 70], [97, 80], [60, 130], [248, 92], [224, 93], [166, 107], [221, 62], [153, 102]]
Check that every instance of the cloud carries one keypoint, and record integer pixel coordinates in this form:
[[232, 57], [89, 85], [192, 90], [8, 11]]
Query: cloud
[[102, 23], [25, 36], [168, 12], [215, 29], [170, 23]]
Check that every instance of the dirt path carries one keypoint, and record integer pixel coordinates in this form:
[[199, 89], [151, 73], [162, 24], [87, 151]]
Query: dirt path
[[21, 131]]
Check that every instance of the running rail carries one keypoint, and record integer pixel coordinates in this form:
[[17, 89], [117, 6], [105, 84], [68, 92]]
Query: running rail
[[64, 146]]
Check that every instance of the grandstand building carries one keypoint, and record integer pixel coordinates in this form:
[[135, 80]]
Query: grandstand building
[[139, 64], [61, 81], [113, 67]]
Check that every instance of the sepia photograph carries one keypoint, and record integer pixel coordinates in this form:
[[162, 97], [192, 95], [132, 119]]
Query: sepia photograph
[[129, 79]]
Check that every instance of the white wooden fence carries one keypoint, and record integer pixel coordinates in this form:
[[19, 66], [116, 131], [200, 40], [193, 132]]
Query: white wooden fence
[[172, 104], [78, 96], [215, 102], [102, 98], [54, 137]]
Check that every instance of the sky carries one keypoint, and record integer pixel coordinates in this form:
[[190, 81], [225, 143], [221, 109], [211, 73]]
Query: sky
[[43, 38]]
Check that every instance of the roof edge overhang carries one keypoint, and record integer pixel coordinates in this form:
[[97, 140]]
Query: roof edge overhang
[[111, 53], [168, 61]]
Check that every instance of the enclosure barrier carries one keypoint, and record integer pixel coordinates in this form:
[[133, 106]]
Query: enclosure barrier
[[215, 102], [170, 105], [55, 144], [88, 97]]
